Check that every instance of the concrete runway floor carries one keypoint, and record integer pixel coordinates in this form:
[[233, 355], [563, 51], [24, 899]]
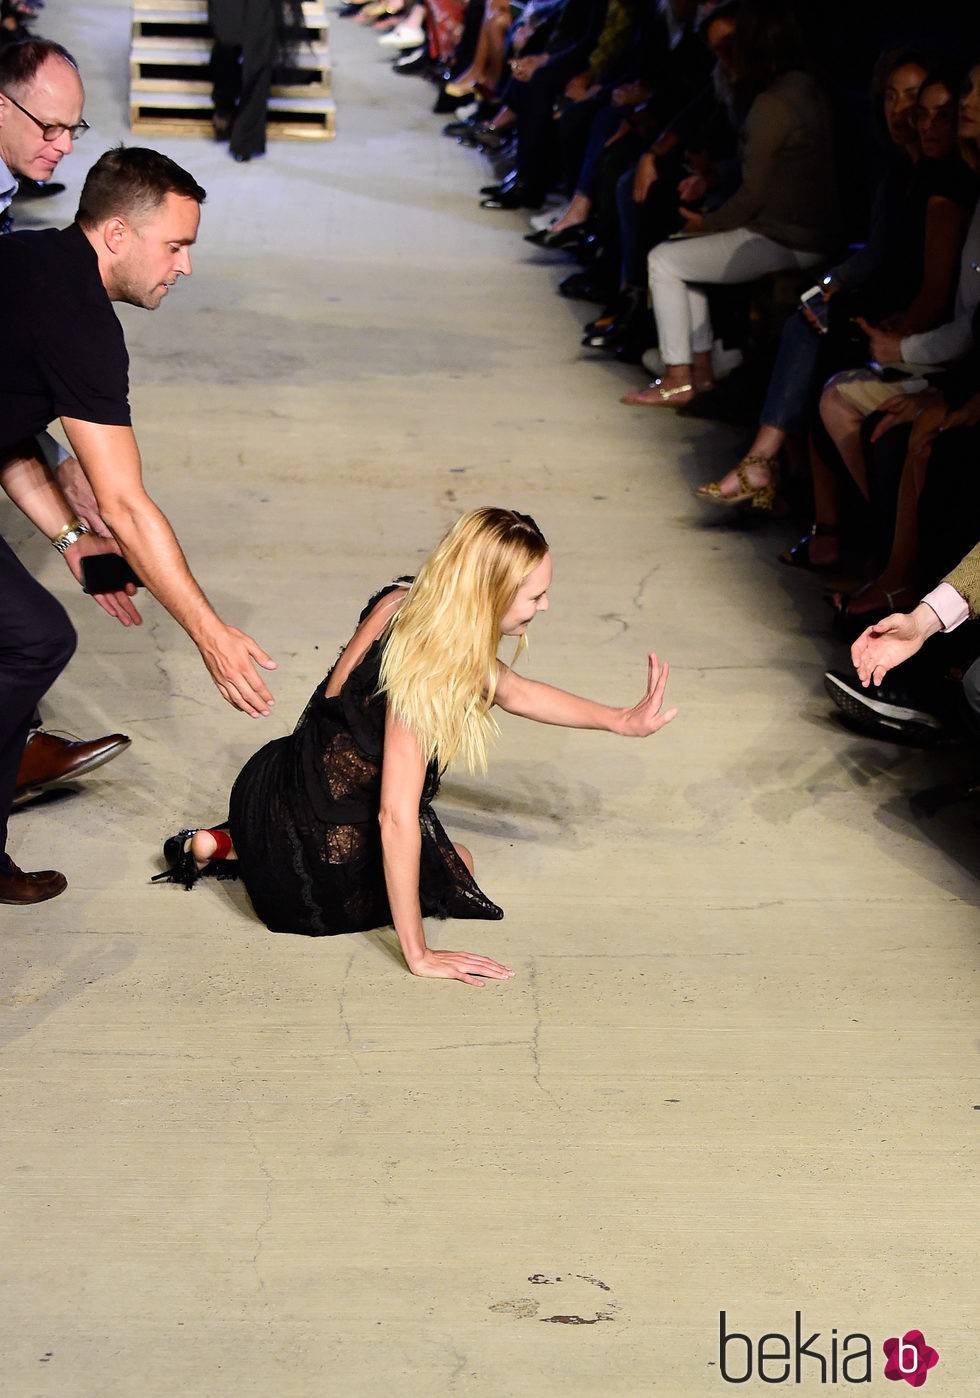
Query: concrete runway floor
[[736, 1070]]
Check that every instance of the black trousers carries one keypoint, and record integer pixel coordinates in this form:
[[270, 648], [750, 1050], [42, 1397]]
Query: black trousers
[[242, 61], [37, 640]]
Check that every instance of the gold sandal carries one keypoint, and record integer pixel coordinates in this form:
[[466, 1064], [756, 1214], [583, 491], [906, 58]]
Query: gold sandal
[[665, 394], [761, 497]]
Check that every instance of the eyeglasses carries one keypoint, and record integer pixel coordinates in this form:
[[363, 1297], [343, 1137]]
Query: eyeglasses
[[53, 132]]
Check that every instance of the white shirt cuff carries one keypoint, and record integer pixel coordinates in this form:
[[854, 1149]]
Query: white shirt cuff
[[951, 609]]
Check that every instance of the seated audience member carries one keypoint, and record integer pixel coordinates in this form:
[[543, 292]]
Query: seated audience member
[[881, 706], [492, 125], [852, 395], [883, 276], [537, 81], [638, 76], [691, 163], [482, 74], [784, 216]]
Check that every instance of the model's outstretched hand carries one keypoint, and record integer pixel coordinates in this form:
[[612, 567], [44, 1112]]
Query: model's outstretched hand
[[458, 966], [645, 717], [230, 656], [887, 643]]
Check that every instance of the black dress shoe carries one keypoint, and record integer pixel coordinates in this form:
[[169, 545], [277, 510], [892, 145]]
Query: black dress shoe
[[490, 190], [515, 196], [582, 286], [34, 189], [459, 130], [19, 888]]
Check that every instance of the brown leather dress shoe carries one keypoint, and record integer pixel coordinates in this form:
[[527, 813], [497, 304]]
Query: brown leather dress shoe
[[18, 887], [50, 758]]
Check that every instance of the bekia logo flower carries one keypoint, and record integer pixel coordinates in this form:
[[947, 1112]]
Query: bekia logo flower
[[820, 1357], [909, 1358]]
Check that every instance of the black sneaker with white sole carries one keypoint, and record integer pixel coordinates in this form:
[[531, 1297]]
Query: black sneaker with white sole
[[883, 708]]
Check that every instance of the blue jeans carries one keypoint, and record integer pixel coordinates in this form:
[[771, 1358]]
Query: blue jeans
[[793, 373]]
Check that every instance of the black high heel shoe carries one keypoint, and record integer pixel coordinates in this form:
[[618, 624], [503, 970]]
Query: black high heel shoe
[[182, 866]]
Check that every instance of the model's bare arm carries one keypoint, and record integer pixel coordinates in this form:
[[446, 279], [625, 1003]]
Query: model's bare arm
[[545, 704], [110, 458], [402, 778], [363, 638]]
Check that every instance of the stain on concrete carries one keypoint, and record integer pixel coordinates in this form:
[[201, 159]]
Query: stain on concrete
[[526, 1308]]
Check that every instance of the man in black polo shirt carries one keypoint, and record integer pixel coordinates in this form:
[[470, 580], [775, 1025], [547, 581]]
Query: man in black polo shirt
[[63, 355]]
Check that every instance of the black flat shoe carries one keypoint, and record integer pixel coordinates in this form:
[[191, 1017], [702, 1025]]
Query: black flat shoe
[[574, 236], [412, 61]]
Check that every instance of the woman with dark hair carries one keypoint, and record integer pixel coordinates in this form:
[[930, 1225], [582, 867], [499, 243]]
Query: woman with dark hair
[[783, 216], [332, 828], [914, 208], [930, 333]]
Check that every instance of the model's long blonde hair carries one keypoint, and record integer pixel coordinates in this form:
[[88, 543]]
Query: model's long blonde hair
[[438, 669]]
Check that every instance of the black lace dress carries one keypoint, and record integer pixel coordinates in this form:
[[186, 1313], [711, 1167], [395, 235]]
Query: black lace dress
[[303, 816]]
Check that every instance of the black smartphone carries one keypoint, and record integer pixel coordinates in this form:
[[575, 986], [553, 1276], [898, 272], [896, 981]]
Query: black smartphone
[[106, 572]]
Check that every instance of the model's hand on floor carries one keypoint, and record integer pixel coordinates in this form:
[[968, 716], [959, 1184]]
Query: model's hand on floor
[[458, 966]]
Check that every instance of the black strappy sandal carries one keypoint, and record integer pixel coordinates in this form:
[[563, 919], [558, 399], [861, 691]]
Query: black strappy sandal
[[182, 866], [799, 555]]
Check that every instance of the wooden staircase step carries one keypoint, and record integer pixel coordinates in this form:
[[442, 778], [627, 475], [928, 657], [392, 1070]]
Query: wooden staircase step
[[184, 113], [184, 67]]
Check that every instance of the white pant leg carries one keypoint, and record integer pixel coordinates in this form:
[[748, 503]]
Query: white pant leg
[[680, 308]]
